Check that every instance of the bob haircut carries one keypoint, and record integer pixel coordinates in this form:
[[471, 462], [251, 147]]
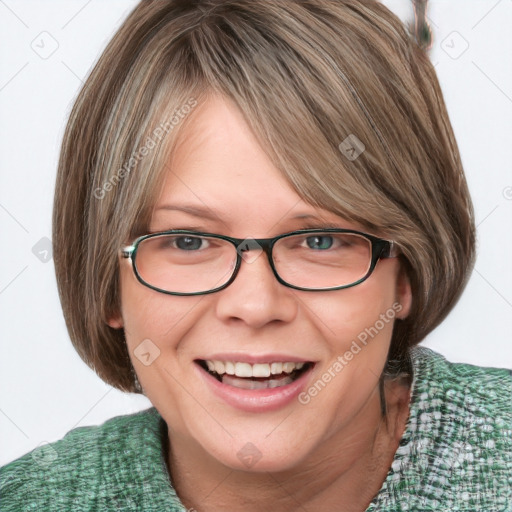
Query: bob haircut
[[307, 76]]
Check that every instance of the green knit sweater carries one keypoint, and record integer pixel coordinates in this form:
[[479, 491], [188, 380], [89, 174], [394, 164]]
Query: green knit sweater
[[455, 454]]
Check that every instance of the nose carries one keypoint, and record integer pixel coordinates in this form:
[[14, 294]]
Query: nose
[[256, 297]]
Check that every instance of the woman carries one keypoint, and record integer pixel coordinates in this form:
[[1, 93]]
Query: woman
[[260, 212]]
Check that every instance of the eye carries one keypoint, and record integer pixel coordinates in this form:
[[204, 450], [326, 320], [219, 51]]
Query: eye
[[189, 243], [320, 242]]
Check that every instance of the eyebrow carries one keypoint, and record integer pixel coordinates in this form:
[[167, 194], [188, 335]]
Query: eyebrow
[[196, 211], [207, 213]]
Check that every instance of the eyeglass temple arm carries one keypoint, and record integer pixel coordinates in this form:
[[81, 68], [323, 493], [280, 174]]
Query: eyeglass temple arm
[[391, 251], [126, 252]]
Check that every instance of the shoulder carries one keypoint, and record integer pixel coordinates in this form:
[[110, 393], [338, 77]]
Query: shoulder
[[465, 390], [91, 468], [457, 448]]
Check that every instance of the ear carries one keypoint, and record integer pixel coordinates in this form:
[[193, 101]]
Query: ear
[[116, 321], [403, 293]]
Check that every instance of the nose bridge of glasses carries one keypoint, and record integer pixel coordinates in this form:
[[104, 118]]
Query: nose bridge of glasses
[[249, 249]]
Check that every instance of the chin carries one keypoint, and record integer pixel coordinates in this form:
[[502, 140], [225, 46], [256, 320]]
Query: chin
[[281, 451]]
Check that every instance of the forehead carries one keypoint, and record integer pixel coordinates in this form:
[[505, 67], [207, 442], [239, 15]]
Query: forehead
[[218, 149], [219, 172]]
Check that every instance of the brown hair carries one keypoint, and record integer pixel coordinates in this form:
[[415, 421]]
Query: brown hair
[[306, 75]]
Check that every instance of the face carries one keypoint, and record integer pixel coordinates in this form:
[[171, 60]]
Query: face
[[221, 181]]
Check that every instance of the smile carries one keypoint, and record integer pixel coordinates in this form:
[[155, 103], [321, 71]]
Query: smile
[[255, 387], [255, 376]]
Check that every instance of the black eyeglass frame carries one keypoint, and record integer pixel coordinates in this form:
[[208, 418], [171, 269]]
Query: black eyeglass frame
[[380, 249]]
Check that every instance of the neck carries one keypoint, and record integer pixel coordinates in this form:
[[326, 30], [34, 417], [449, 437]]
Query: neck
[[345, 472]]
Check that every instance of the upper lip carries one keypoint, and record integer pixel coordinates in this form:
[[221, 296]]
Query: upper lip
[[255, 358]]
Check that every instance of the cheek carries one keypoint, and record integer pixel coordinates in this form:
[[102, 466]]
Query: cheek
[[368, 307], [154, 324], [150, 314], [356, 325]]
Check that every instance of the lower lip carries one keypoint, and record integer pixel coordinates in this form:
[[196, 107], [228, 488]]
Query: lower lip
[[256, 400]]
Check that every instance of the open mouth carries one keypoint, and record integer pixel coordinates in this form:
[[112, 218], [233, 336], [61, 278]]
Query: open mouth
[[255, 376]]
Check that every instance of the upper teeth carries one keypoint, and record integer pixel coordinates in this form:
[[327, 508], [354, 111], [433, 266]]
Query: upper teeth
[[252, 370]]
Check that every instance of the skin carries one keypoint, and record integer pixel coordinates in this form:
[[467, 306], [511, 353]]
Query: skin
[[335, 450]]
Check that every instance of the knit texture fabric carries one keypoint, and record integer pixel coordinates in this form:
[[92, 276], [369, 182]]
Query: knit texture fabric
[[455, 454]]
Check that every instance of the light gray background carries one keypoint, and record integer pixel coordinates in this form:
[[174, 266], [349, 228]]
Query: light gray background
[[46, 51]]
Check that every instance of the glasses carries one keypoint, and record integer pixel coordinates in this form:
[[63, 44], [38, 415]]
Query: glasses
[[181, 262]]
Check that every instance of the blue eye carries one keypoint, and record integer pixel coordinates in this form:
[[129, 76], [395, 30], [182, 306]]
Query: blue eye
[[319, 242], [188, 243]]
